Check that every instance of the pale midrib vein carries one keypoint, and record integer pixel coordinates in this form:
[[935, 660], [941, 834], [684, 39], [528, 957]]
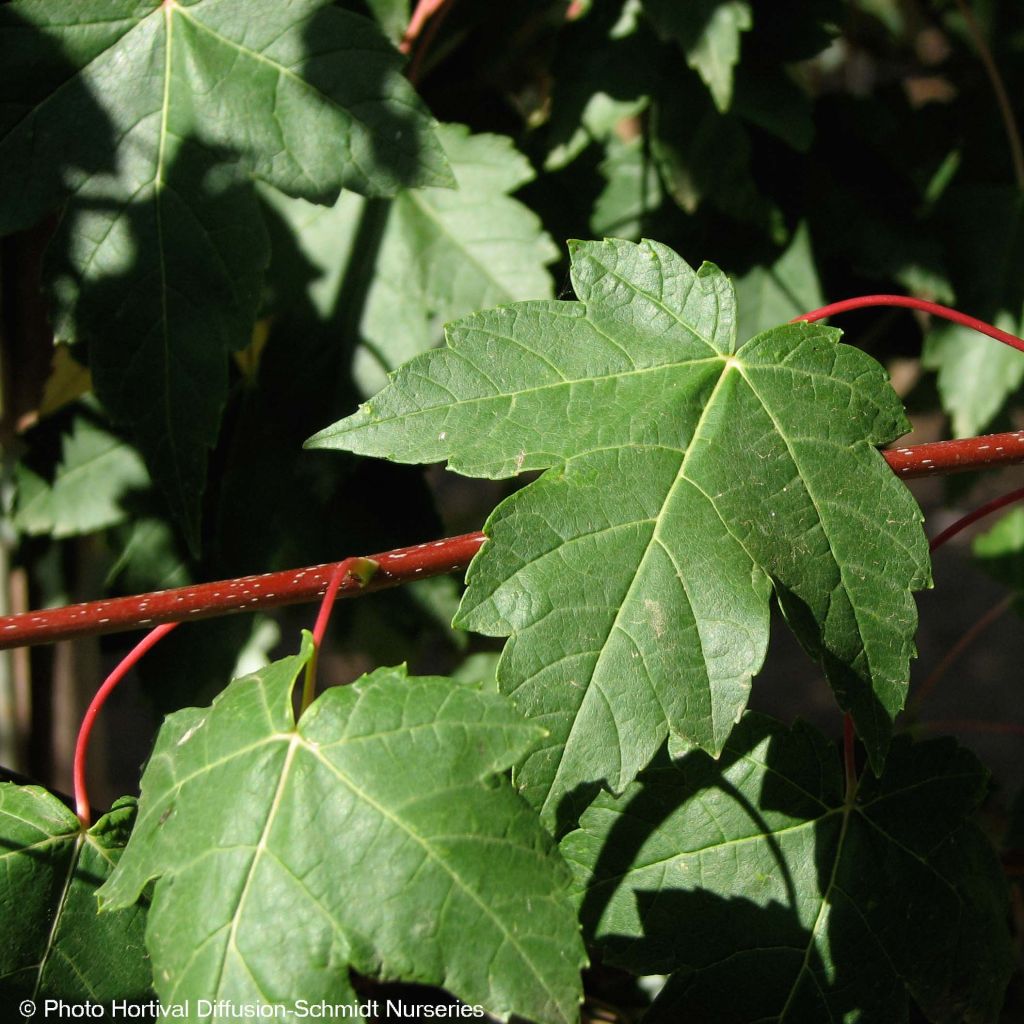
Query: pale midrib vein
[[70, 822], [35, 846], [417, 200], [713, 849], [279, 69], [426, 846], [375, 422], [903, 791], [58, 911], [923, 861], [176, 785], [258, 851], [652, 542], [847, 811]]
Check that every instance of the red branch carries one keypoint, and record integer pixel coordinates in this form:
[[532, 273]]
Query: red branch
[[403, 565]]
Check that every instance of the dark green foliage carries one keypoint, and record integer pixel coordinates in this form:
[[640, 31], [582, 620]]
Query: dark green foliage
[[244, 218]]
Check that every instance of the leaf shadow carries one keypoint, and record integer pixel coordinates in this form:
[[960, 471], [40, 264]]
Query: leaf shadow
[[383, 137], [62, 158], [853, 691], [164, 284], [731, 956]]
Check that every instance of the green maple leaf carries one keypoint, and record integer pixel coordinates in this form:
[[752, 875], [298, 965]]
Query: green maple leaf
[[780, 292], [766, 896], [443, 252], [154, 117], [96, 472], [56, 945], [709, 33], [691, 477], [372, 833]]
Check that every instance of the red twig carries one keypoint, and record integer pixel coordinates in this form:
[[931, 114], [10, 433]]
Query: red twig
[[424, 10], [453, 554], [360, 569], [909, 302], [82, 808], [403, 565], [249, 593], [972, 517]]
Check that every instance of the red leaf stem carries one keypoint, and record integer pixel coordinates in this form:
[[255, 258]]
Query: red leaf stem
[[362, 570], [909, 302], [972, 517], [424, 10], [82, 808]]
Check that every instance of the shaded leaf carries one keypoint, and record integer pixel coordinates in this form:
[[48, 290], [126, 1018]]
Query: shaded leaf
[[96, 472], [768, 897], [704, 157], [435, 871], [391, 15], [771, 295], [56, 945], [154, 116], [632, 190], [448, 252], [609, 65], [691, 475], [443, 252], [709, 33]]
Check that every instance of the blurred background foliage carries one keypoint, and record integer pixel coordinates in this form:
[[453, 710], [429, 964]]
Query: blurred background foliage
[[815, 150]]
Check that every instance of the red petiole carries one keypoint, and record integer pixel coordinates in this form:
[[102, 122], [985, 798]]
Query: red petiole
[[151, 639]]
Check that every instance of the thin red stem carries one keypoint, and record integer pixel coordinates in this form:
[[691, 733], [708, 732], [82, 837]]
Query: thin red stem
[[909, 302], [360, 569], [419, 57], [950, 658], [972, 517], [82, 807], [424, 10]]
